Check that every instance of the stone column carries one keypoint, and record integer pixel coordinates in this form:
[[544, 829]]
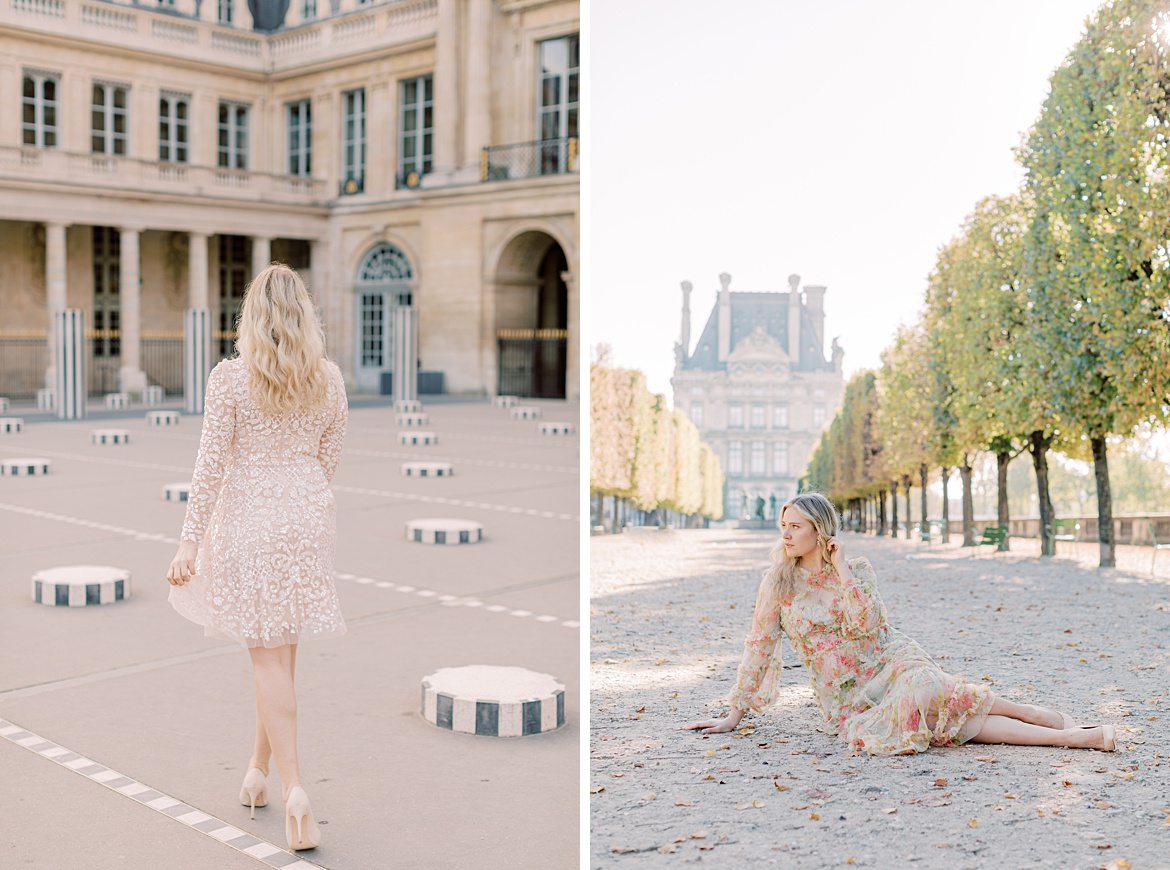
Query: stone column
[[197, 327], [55, 289], [477, 115], [131, 378], [572, 375], [261, 253], [446, 108]]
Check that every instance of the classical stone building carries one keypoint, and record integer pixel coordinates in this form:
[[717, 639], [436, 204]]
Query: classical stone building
[[153, 157], [759, 388]]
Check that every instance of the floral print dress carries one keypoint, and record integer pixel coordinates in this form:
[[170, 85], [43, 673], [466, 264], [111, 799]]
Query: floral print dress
[[873, 684]]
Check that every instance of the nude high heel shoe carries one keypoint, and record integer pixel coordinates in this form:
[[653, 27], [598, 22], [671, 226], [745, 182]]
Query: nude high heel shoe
[[254, 790], [300, 826]]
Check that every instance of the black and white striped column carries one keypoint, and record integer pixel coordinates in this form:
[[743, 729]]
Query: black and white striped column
[[196, 358], [80, 585], [493, 700], [405, 362], [69, 346]]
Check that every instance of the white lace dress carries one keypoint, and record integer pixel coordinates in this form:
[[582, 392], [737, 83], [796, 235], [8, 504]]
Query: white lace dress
[[263, 513]]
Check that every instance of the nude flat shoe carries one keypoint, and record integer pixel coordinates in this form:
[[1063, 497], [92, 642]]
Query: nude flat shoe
[[254, 791], [1108, 735]]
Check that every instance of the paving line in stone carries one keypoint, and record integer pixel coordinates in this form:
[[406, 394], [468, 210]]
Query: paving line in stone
[[443, 598], [265, 852]]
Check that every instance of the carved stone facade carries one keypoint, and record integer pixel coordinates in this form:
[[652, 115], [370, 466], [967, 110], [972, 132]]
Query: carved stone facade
[[759, 388]]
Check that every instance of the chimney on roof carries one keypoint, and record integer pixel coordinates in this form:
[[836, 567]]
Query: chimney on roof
[[724, 316], [685, 336], [794, 319], [814, 300]]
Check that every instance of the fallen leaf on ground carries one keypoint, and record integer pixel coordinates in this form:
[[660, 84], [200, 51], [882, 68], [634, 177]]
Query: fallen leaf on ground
[[889, 810], [649, 796], [699, 835], [683, 803], [974, 823], [940, 783], [990, 759], [816, 817], [597, 789], [668, 848]]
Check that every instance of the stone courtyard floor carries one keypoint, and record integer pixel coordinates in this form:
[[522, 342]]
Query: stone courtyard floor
[[135, 687], [669, 611]]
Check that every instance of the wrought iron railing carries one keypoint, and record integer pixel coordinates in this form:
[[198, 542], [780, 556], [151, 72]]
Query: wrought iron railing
[[532, 362], [529, 159]]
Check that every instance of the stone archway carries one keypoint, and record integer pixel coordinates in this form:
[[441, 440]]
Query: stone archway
[[530, 303]]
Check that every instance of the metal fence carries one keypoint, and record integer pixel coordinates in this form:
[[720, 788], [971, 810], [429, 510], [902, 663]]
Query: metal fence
[[533, 363], [529, 159], [24, 357]]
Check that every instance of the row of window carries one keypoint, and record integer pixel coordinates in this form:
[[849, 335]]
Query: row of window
[[757, 455], [109, 124], [759, 415]]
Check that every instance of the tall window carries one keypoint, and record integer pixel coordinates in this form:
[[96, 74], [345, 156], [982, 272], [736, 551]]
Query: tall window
[[697, 413], [308, 10], [780, 417], [108, 128], [353, 145], [173, 110], [818, 415], [107, 245], [234, 270], [560, 67], [233, 135], [39, 110], [225, 11], [300, 123], [735, 457], [759, 420], [757, 457], [735, 416], [779, 459], [415, 148], [373, 320]]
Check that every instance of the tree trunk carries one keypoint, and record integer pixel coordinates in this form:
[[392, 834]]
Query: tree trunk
[[1038, 445], [882, 530], [909, 513], [946, 508], [924, 523], [1001, 494], [968, 502], [894, 507], [1104, 504]]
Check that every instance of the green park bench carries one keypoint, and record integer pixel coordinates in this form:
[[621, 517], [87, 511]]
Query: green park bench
[[1157, 546], [992, 536]]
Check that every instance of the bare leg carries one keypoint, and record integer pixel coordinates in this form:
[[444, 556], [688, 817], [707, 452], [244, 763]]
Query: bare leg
[[1004, 729], [277, 701], [262, 751], [1030, 713]]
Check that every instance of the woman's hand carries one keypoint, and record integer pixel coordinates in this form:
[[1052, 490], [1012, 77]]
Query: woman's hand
[[183, 565], [833, 548], [716, 726]]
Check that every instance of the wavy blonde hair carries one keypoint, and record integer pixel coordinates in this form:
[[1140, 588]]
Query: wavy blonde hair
[[279, 337], [819, 511]]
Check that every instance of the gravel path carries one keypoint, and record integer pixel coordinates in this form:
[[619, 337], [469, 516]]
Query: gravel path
[[669, 613]]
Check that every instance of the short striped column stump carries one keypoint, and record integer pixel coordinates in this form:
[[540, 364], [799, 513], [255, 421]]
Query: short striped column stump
[[417, 437], [427, 469], [408, 406], [24, 467], [116, 401], [153, 395], [45, 401], [163, 418], [110, 436], [176, 491], [80, 585], [550, 428], [493, 700], [11, 425], [503, 401], [525, 412], [3, 404], [412, 421], [444, 530]]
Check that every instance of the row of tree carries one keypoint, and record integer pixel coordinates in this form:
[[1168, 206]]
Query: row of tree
[[646, 453], [1047, 318]]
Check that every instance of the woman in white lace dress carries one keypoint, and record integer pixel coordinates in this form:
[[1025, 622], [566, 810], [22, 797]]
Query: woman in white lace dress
[[256, 552]]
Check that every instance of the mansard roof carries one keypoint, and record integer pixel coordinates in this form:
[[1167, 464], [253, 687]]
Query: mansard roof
[[749, 310]]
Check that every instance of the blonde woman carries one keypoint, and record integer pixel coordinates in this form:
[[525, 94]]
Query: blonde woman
[[255, 559], [876, 688]]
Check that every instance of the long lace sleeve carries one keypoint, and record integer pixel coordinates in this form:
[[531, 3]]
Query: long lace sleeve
[[759, 670], [860, 606], [215, 448], [329, 453]]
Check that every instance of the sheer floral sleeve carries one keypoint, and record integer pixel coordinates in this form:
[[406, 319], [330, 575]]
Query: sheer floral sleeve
[[329, 453], [759, 670], [860, 607], [215, 448]]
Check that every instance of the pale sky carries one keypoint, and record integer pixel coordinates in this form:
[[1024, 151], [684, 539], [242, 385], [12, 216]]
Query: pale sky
[[841, 141]]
